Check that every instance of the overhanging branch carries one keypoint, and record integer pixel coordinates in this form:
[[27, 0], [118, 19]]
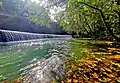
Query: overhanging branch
[[103, 18]]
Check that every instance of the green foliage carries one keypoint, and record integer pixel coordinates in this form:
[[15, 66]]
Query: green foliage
[[38, 14], [84, 16]]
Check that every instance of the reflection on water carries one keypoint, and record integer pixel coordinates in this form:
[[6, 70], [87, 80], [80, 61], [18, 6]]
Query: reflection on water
[[24, 59]]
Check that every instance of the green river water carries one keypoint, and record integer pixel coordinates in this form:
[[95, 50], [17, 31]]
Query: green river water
[[16, 60]]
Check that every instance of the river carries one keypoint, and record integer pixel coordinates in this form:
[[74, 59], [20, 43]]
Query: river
[[25, 58], [42, 61]]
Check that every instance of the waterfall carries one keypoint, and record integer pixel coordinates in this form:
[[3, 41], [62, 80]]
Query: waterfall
[[8, 36]]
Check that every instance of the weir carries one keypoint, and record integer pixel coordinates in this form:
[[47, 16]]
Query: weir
[[9, 36]]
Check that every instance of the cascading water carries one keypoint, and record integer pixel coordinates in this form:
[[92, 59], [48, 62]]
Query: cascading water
[[8, 36]]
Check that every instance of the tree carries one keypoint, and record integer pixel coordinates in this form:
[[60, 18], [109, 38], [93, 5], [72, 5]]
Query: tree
[[26, 9], [103, 17], [92, 14], [38, 14]]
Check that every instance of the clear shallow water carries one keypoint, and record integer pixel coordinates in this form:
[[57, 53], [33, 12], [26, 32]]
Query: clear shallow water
[[16, 60]]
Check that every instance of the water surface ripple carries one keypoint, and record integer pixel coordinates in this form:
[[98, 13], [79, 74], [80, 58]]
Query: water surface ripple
[[33, 60]]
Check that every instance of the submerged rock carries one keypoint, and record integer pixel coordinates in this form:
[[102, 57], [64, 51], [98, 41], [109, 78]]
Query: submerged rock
[[47, 70]]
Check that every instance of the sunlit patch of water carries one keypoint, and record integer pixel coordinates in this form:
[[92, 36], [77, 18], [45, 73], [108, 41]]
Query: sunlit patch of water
[[31, 58]]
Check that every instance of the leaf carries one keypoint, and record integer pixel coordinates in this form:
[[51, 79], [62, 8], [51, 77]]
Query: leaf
[[80, 0], [69, 80], [75, 80], [95, 75]]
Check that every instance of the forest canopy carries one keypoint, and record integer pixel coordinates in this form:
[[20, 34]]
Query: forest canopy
[[94, 18]]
